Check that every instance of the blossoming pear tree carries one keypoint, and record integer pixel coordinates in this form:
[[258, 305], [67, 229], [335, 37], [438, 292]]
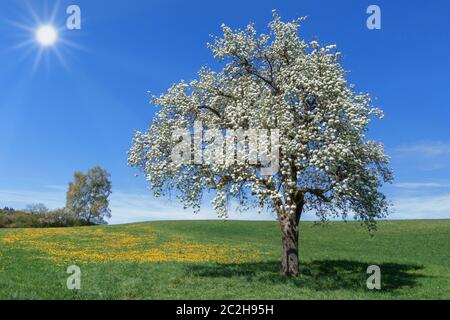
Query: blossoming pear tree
[[273, 81]]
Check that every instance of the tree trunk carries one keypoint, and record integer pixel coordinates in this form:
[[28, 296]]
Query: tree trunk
[[289, 236]]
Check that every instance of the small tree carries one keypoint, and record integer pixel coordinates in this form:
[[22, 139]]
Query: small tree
[[272, 81], [88, 195], [36, 208]]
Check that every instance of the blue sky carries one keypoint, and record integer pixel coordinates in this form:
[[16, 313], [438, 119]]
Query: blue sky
[[78, 108]]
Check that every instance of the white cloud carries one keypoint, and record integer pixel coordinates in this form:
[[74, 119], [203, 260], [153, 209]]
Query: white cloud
[[136, 207], [424, 149], [421, 185], [422, 207], [57, 187], [19, 199], [125, 206], [421, 156]]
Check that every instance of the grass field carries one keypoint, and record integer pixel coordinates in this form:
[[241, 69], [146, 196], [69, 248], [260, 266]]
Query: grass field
[[225, 260]]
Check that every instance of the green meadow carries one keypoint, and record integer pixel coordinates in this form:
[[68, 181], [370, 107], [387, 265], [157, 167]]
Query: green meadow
[[226, 260]]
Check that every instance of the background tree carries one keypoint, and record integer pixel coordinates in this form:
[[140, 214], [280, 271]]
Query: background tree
[[88, 195], [274, 81], [36, 208]]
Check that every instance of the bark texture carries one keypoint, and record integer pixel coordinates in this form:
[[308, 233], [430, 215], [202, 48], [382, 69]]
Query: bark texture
[[289, 224], [289, 236]]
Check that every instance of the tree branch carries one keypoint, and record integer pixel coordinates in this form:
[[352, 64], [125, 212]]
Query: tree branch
[[212, 110]]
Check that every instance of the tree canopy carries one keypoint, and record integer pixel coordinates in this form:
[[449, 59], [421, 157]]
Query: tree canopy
[[88, 195]]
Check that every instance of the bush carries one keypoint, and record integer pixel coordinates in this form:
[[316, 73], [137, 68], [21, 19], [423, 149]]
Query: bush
[[51, 219]]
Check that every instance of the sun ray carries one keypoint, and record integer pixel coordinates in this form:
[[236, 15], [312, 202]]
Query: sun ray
[[37, 60], [60, 57], [54, 12], [33, 13], [20, 25], [72, 44], [26, 54], [26, 43]]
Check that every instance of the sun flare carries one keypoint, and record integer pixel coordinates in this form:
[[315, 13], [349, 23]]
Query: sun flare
[[43, 35]]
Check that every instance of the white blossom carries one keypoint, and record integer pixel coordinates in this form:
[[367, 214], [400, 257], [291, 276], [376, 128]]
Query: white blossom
[[274, 81]]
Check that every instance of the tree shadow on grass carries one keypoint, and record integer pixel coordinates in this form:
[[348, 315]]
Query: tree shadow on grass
[[316, 275]]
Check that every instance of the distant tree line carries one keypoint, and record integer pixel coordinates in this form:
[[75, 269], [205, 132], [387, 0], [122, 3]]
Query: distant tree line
[[86, 204], [29, 219]]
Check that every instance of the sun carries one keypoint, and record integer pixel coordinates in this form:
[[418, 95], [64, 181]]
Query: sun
[[46, 35]]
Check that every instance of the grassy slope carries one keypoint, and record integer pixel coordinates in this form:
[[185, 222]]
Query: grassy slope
[[414, 257]]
